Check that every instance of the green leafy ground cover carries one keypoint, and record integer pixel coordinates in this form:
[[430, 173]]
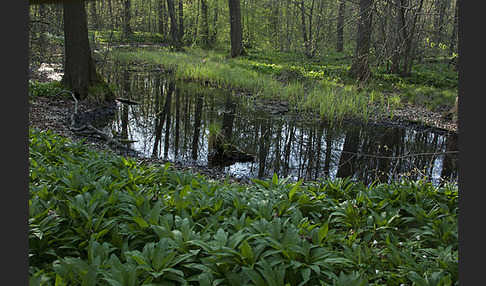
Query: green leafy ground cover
[[319, 85], [96, 218]]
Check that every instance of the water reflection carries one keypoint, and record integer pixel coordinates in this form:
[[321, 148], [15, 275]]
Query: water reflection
[[191, 124]]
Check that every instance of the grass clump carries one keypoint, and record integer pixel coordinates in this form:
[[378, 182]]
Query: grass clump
[[320, 85], [44, 89], [101, 219]]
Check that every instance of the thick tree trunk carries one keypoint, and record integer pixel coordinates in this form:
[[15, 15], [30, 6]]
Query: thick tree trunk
[[360, 68], [340, 26], [235, 28], [79, 69]]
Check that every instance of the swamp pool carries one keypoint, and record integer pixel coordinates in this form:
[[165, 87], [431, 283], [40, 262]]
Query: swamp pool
[[196, 125]]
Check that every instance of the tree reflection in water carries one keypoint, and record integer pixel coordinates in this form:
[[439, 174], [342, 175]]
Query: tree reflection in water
[[282, 144]]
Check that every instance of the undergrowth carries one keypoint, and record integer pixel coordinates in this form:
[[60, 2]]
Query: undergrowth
[[285, 82], [96, 218]]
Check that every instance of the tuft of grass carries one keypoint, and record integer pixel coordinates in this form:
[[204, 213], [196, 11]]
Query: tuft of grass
[[44, 89], [321, 85]]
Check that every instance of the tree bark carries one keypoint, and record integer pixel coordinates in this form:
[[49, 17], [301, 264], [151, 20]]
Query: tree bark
[[303, 26], [235, 28], [205, 24], [360, 68], [162, 18], [79, 69], [453, 41], [340, 26], [181, 22], [441, 7], [94, 15], [214, 31], [127, 30], [173, 25]]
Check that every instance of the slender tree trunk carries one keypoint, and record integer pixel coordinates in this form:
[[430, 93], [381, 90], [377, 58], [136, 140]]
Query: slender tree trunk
[[110, 10], [173, 25], [235, 28], [441, 7], [181, 22], [409, 43], [162, 18], [94, 15], [214, 31], [360, 68], [453, 41], [42, 31], [303, 27], [340, 26], [204, 24], [79, 68], [274, 21], [127, 30], [400, 35]]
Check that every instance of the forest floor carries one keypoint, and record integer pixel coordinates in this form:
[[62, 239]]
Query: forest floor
[[48, 112]]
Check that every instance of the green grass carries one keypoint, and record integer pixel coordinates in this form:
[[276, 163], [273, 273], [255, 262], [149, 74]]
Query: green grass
[[45, 89], [296, 84], [100, 219]]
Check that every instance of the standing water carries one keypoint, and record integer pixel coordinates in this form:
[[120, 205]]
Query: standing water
[[196, 125]]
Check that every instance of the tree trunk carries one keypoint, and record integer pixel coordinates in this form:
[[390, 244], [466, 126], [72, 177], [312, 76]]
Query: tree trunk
[[79, 69], [235, 28], [453, 41], [409, 43], [360, 68], [274, 21], [42, 31], [214, 31], [400, 35], [340, 26], [441, 7], [181, 22], [205, 24], [127, 30], [303, 27], [162, 18], [173, 25], [110, 10], [94, 15]]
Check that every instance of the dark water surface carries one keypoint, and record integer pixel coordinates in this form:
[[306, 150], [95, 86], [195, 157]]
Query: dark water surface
[[189, 124]]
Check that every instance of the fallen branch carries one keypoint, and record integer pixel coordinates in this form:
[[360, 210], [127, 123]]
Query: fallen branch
[[127, 101]]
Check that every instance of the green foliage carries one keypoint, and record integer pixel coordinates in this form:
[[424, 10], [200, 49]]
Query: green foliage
[[101, 219], [318, 85], [44, 89]]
